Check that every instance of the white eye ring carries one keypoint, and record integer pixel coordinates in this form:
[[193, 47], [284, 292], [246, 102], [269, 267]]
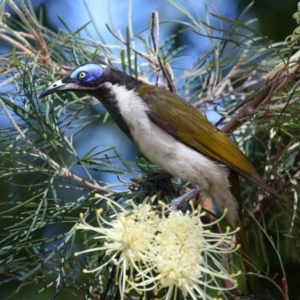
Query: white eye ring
[[81, 74]]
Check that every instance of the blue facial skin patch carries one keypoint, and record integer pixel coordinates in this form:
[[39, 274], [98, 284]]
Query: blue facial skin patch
[[93, 72]]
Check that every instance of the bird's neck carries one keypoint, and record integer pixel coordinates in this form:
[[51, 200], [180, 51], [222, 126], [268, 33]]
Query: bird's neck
[[119, 78], [108, 96]]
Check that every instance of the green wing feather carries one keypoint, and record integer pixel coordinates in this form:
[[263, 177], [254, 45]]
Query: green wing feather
[[202, 135]]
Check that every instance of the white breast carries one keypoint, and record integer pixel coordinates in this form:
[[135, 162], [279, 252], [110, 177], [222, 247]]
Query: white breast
[[173, 156]]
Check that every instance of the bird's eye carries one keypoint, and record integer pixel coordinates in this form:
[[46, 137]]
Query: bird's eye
[[81, 74], [87, 74]]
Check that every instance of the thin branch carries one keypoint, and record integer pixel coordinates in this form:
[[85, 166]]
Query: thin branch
[[63, 171], [125, 43], [165, 68], [35, 31], [260, 98], [9, 80], [219, 88], [16, 44]]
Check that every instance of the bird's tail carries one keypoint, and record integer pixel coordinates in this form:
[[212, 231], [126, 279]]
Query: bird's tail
[[241, 236]]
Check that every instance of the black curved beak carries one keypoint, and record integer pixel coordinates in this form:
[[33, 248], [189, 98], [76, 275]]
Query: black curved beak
[[56, 87]]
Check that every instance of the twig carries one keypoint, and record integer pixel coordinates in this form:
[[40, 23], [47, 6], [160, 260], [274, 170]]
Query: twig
[[65, 240], [63, 171], [74, 152], [285, 289], [273, 84], [36, 32], [260, 98], [9, 80], [125, 43], [219, 88], [287, 184], [155, 35], [16, 44], [155, 40]]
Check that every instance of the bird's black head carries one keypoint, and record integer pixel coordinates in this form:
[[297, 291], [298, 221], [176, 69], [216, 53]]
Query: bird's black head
[[89, 78]]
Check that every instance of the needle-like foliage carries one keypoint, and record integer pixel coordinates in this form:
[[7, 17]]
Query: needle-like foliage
[[52, 179]]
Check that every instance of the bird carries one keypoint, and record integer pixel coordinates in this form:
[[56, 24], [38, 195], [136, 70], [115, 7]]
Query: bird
[[169, 132], [175, 136]]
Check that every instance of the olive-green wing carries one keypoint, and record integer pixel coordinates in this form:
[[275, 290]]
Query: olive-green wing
[[188, 125]]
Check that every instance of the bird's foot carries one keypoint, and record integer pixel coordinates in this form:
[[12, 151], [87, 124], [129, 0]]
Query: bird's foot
[[182, 203]]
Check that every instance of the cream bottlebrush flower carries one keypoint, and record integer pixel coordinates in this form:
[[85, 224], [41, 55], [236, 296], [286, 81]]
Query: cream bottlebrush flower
[[126, 239], [186, 256], [177, 253]]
